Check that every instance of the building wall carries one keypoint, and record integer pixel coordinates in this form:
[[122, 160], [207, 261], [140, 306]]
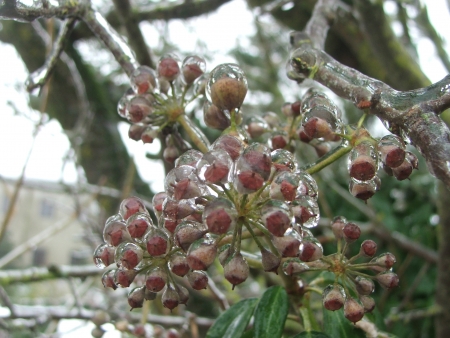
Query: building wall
[[36, 212]]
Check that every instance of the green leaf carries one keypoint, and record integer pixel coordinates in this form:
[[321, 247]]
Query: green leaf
[[233, 322], [249, 334], [311, 334], [337, 326], [271, 313]]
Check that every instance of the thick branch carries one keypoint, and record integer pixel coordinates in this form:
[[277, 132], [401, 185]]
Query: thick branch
[[9, 10], [414, 111], [45, 273], [135, 37]]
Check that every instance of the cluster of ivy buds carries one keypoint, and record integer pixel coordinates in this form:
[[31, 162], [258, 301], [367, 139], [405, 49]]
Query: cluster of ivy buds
[[211, 203], [353, 285], [156, 100], [365, 158]]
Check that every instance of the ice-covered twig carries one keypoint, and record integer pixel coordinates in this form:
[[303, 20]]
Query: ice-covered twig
[[40, 76], [415, 111]]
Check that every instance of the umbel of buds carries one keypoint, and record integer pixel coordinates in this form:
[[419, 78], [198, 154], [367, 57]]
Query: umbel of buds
[[351, 278]]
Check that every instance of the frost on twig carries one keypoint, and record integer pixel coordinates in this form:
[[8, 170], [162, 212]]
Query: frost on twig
[[415, 112]]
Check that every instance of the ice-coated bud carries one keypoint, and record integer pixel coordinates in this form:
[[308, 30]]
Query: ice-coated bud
[[351, 232], [183, 183], [149, 135], [226, 87], [128, 255], [138, 108], [187, 232], [168, 68], [155, 279], [368, 303], [353, 310], [138, 224], [136, 297], [294, 266], [198, 280], [108, 279], [124, 278], [215, 166], [256, 157], [270, 262], [368, 248], [295, 107], [256, 126], [170, 298], [115, 232], [214, 117], [278, 140], [388, 280], [283, 160], [201, 254], [284, 186], [310, 249], [135, 131], [392, 150], [104, 255], [122, 104], [192, 68], [289, 244], [219, 216], [173, 209], [170, 153], [236, 269], [158, 200], [179, 265], [276, 217], [364, 286], [364, 189], [306, 211], [333, 297], [157, 242], [363, 162], [383, 262], [130, 206], [189, 158], [232, 145], [143, 80], [404, 170], [337, 226], [183, 294]]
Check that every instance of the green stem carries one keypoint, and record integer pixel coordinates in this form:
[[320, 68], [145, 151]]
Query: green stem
[[313, 289], [306, 319], [328, 158], [193, 134], [255, 238]]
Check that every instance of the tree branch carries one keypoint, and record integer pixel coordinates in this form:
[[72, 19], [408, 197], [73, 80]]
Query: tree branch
[[414, 111]]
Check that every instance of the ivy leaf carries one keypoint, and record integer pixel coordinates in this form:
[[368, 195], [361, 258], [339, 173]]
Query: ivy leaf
[[271, 313], [337, 326], [311, 334], [233, 322]]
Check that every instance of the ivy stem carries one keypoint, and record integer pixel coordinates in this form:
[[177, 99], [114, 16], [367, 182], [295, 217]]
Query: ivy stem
[[255, 238], [329, 158], [313, 289], [182, 119], [306, 319]]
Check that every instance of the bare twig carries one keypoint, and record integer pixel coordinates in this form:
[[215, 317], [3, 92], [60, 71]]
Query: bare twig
[[7, 302], [218, 294]]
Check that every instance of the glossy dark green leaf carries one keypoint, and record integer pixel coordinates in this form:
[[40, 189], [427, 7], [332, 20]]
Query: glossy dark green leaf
[[271, 313], [311, 334], [337, 326], [249, 334], [233, 322]]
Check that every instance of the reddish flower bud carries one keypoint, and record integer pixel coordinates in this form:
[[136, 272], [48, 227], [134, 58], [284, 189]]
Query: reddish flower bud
[[187, 232], [130, 206], [337, 225], [170, 298], [364, 286], [351, 232], [157, 242], [158, 200], [383, 262], [270, 262], [143, 80], [193, 67], [310, 250], [333, 297], [368, 303], [138, 224], [236, 270], [179, 265], [168, 68], [128, 255], [104, 255], [294, 266], [388, 280], [201, 254], [155, 279], [353, 310], [108, 279], [197, 279], [136, 297], [230, 144], [124, 278], [368, 248]]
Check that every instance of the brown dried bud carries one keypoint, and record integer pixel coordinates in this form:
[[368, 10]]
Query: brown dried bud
[[201, 254], [368, 248], [170, 298], [364, 286], [368, 303], [270, 262], [136, 297], [228, 93], [351, 232], [388, 280], [197, 279]]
